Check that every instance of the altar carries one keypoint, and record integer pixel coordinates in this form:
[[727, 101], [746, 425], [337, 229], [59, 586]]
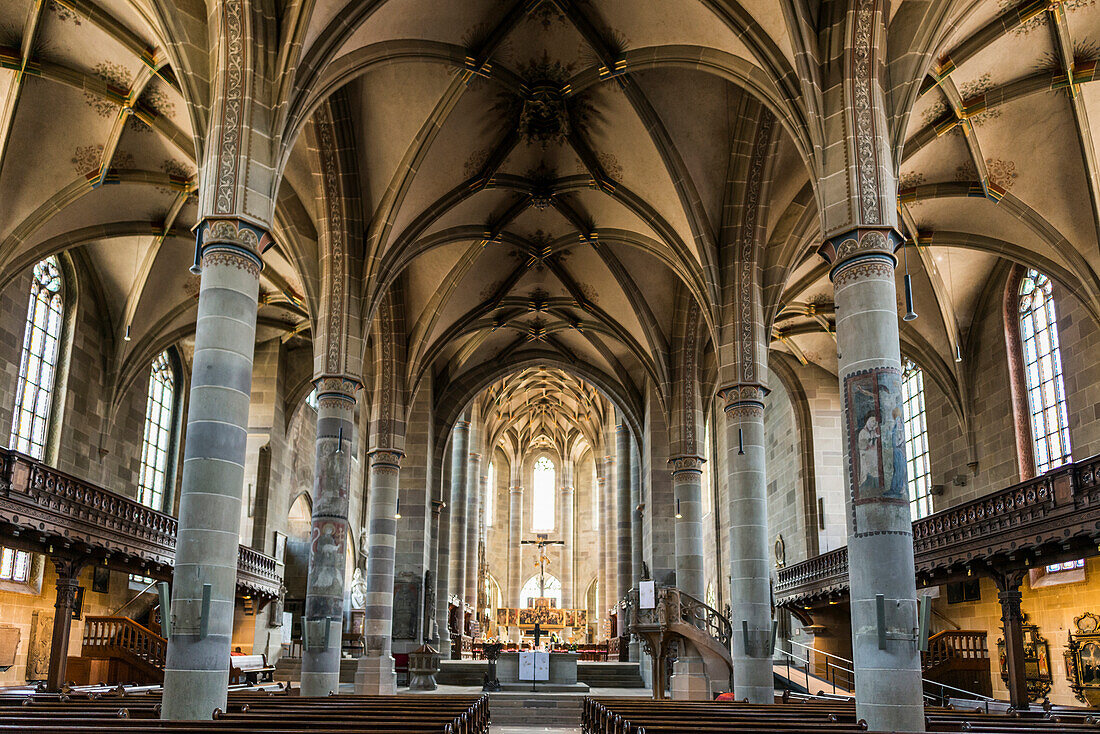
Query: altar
[[562, 673]]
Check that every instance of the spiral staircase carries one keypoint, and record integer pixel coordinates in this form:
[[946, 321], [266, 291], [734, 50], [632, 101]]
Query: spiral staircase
[[677, 627]]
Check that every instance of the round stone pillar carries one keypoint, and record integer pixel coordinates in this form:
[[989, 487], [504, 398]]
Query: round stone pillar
[[880, 537], [431, 624], [460, 438], [515, 550], [323, 622], [473, 522], [442, 580], [750, 572], [197, 663], [689, 678], [625, 559], [566, 495], [376, 674]]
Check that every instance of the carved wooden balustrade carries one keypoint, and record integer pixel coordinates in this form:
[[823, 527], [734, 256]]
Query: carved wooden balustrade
[[106, 637], [1048, 519], [48, 511]]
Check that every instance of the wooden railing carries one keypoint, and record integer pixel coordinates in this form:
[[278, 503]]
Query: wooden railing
[[954, 645], [48, 509], [106, 637], [1053, 515]]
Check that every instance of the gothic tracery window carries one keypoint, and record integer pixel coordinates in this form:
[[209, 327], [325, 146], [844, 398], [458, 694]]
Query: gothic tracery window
[[159, 420], [542, 500], [1042, 358], [38, 364], [916, 441]]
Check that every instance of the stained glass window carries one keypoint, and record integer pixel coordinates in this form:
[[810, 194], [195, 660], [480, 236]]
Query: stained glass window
[[542, 503], [1046, 395], [159, 420], [38, 364], [916, 441], [15, 565]]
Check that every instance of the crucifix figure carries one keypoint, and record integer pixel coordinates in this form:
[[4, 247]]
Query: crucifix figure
[[538, 633], [543, 559]]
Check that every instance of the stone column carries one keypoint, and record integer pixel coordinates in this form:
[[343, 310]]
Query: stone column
[[431, 604], [376, 674], [474, 482], [750, 572], [603, 583], [67, 586], [566, 494], [460, 437], [515, 549], [623, 510], [635, 534], [689, 679], [197, 664], [1012, 617], [442, 542], [880, 533], [323, 621]]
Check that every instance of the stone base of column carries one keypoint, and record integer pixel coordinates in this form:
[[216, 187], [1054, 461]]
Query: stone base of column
[[754, 680], [192, 695], [689, 680], [376, 676], [879, 686], [645, 667], [320, 684]]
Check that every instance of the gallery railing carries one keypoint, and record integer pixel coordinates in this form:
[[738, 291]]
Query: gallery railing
[[45, 509], [1053, 515]]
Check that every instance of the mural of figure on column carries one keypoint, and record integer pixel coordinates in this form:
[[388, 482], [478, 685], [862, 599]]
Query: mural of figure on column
[[197, 661], [376, 674], [322, 625], [880, 543]]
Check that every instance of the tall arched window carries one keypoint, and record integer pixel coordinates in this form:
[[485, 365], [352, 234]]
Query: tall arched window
[[38, 364], [916, 441], [490, 494], [1046, 395], [160, 410], [542, 502], [551, 589]]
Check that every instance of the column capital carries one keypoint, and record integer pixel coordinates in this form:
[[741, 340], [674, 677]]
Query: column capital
[[462, 423], [566, 489], [386, 459], [516, 489], [743, 400], [475, 456], [871, 246], [437, 507], [686, 463], [338, 384], [233, 242]]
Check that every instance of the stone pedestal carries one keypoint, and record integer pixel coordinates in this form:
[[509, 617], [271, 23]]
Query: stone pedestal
[[423, 667], [689, 679], [376, 676]]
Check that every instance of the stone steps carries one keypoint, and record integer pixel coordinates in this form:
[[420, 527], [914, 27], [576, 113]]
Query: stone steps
[[596, 675], [541, 710]]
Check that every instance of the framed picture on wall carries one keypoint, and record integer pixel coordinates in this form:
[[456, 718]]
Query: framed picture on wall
[[101, 580], [280, 547], [78, 603]]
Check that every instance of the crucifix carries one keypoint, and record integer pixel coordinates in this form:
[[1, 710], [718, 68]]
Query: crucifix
[[541, 541]]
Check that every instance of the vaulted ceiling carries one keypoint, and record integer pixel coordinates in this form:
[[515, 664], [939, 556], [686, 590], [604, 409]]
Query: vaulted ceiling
[[548, 184]]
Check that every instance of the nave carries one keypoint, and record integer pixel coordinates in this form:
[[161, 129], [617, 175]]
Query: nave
[[737, 355]]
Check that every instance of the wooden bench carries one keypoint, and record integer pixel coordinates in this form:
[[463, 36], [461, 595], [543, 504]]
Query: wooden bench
[[250, 670], [249, 712]]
